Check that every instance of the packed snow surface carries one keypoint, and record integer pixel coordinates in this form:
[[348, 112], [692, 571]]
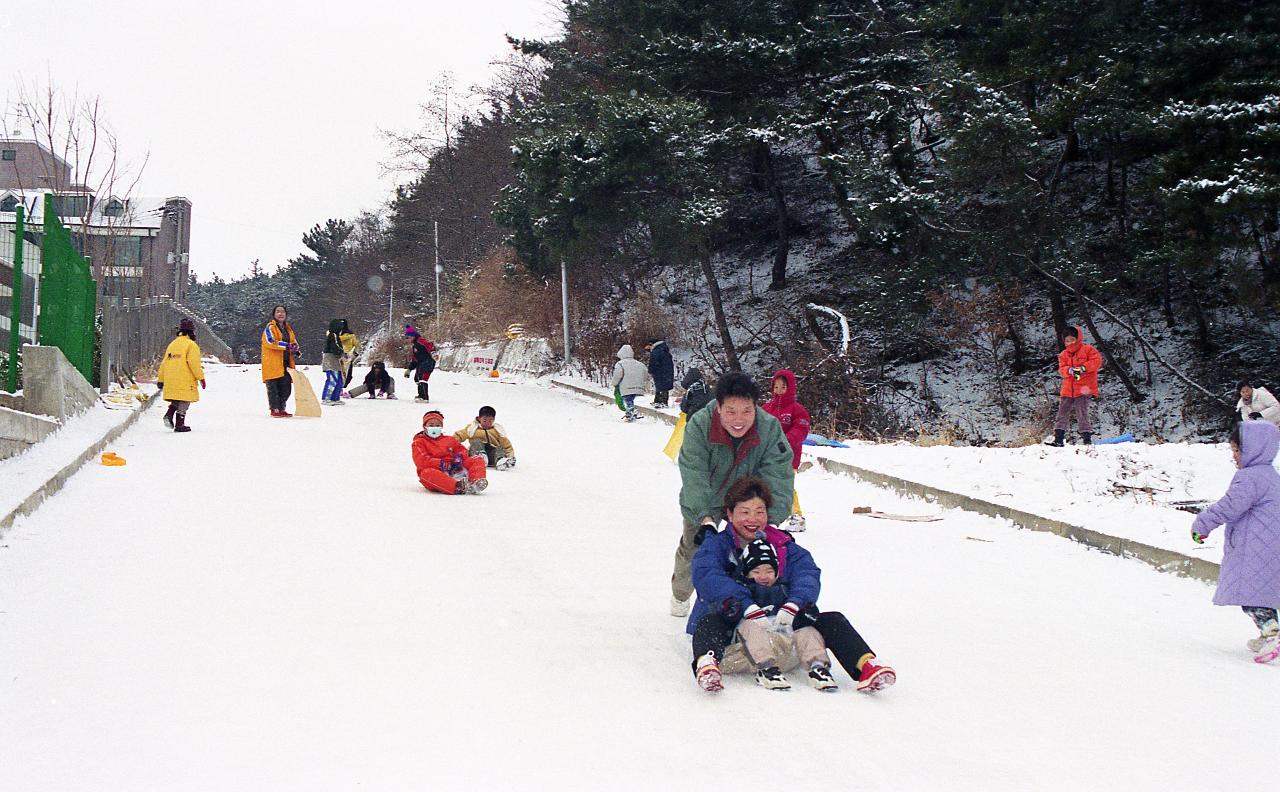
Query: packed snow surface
[[278, 605]]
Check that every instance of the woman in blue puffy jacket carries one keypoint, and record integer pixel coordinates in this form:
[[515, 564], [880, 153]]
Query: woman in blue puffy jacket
[[733, 603]]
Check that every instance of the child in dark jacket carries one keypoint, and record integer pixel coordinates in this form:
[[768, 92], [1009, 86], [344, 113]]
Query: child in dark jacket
[[696, 392], [421, 363], [727, 603], [376, 382]]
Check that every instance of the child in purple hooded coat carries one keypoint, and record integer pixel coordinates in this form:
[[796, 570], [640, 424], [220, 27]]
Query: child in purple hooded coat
[[1250, 575]]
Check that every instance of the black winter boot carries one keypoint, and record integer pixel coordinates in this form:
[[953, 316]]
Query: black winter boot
[[422, 391], [1059, 438], [180, 423], [1087, 437], [168, 416]]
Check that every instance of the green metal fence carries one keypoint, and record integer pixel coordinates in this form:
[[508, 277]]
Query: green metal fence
[[68, 295], [39, 265]]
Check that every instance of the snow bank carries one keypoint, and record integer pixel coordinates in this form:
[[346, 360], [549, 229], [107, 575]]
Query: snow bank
[[1122, 490]]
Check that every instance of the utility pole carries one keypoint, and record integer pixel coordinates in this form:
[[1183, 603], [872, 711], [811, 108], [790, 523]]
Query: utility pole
[[564, 303], [435, 232]]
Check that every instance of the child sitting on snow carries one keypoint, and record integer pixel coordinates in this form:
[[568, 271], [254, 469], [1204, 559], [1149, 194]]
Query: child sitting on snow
[[443, 464], [488, 438], [375, 382], [760, 565], [1250, 576], [732, 601]]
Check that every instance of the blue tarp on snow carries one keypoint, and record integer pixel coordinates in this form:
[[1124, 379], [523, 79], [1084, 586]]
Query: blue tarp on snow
[[816, 439], [1124, 438]]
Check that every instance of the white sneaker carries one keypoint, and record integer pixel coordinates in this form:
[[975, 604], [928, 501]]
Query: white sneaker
[[1255, 644], [820, 678], [772, 679], [506, 463], [679, 608], [478, 486], [795, 523]]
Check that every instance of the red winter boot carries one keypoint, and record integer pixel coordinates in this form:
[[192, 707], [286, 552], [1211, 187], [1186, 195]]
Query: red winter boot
[[874, 677]]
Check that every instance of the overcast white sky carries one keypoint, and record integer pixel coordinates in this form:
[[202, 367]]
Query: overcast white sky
[[265, 114]]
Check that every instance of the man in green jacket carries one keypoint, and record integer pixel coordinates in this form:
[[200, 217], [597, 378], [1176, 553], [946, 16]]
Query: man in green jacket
[[724, 441]]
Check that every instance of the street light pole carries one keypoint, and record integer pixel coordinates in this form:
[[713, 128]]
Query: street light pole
[[435, 232], [564, 303]]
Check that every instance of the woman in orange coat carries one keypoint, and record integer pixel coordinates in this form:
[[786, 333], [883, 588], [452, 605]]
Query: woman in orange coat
[[279, 353], [1078, 363], [443, 463]]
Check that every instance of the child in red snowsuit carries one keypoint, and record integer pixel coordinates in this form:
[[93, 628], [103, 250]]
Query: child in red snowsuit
[[789, 412], [443, 463], [795, 425]]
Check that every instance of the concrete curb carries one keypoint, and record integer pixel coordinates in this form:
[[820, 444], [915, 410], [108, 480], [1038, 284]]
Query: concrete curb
[[56, 482], [607, 398], [1163, 560]]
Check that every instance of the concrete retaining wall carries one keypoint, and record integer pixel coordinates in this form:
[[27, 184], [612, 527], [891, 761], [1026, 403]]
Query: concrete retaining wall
[[20, 430], [1158, 557], [51, 385], [529, 356]]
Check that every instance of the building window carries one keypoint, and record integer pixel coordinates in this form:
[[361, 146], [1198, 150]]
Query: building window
[[113, 208], [71, 205], [9, 203], [9, 155], [127, 251]]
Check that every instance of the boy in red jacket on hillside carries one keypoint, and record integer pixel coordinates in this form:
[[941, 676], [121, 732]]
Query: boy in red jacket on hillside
[[1078, 363], [443, 463], [795, 425]]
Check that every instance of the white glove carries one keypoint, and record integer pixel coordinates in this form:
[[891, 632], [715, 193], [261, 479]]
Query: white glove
[[753, 612], [786, 615]]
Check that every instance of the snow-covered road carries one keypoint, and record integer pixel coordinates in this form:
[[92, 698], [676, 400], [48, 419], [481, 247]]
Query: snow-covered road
[[278, 605]]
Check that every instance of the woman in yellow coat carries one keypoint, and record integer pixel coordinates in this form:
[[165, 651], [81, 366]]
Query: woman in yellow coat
[[279, 352], [180, 371]]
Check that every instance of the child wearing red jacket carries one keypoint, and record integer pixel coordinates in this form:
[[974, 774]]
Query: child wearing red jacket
[[795, 425], [443, 463], [1078, 364]]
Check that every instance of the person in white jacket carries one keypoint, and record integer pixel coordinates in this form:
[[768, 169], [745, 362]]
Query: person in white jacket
[[1257, 404], [629, 377]]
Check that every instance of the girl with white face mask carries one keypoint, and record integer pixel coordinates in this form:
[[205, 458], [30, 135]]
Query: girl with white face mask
[[443, 463]]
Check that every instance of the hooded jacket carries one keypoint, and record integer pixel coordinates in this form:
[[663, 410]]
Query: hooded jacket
[[1250, 573], [1261, 402], [718, 575], [629, 374], [333, 338], [180, 370], [793, 417], [711, 460], [697, 393], [1078, 353], [661, 367]]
